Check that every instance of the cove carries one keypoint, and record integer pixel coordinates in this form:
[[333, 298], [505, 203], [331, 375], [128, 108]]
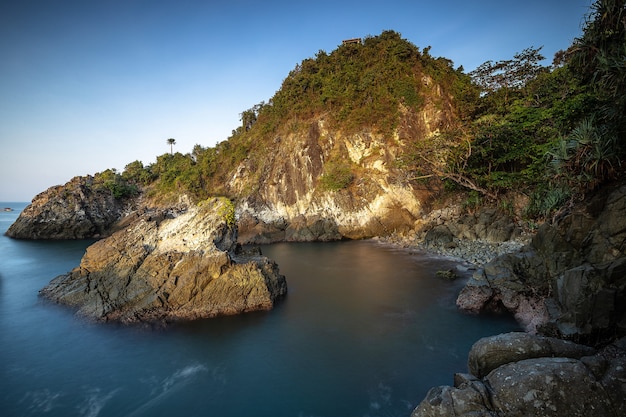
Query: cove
[[365, 330]]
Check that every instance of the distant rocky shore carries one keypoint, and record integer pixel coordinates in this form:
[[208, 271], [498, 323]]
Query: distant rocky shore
[[78, 209], [475, 238]]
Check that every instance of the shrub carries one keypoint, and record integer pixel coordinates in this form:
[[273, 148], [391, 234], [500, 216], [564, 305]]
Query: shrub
[[227, 211], [545, 201], [336, 176], [115, 183]]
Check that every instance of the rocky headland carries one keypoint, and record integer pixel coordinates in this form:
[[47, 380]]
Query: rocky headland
[[170, 265], [79, 209]]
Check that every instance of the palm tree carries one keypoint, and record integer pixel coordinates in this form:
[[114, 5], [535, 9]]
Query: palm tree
[[171, 142]]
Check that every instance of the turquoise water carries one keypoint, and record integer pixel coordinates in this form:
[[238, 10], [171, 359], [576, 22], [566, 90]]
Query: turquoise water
[[365, 330]]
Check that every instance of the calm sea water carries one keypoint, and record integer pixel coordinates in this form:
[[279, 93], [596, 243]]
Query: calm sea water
[[366, 330]]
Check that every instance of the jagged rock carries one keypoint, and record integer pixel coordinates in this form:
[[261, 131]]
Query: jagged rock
[[532, 375], [170, 266], [311, 228], [570, 281], [256, 232], [77, 210]]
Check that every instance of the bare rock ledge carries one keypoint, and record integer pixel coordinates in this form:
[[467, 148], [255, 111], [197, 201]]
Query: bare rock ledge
[[170, 266]]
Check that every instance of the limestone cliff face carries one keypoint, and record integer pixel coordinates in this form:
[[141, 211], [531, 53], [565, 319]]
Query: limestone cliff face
[[170, 266], [289, 200], [77, 210]]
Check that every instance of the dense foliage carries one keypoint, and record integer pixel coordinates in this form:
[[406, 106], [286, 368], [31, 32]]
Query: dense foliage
[[552, 132], [360, 85], [117, 184]]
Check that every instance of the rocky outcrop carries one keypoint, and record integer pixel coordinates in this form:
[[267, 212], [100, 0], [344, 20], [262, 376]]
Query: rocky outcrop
[[77, 210], [487, 224], [291, 203], [570, 281], [519, 374], [170, 265]]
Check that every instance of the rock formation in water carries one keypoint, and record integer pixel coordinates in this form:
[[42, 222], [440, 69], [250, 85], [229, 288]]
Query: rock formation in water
[[79, 209], [518, 374], [170, 265]]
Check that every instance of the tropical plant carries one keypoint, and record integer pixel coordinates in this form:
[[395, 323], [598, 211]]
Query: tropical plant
[[511, 73], [112, 181], [171, 142], [599, 58], [227, 211]]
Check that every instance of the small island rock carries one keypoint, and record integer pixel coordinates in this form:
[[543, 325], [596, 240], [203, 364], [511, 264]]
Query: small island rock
[[169, 266]]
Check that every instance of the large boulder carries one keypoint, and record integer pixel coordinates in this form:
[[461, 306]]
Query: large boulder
[[518, 374], [570, 281], [80, 209], [170, 265], [490, 353]]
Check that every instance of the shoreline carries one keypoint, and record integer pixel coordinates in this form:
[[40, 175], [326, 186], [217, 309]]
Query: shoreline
[[477, 253]]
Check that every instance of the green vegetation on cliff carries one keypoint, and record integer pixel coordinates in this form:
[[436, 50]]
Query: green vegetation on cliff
[[361, 85], [551, 132]]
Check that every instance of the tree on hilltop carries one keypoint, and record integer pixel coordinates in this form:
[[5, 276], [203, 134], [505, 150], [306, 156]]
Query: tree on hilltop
[[171, 142], [510, 73]]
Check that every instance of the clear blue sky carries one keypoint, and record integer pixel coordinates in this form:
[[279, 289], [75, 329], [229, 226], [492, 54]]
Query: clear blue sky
[[90, 85]]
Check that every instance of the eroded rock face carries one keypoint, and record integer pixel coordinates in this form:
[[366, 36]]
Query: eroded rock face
[[170, 266], [570, 281], [77, 210], [289, 202], [518, 374]]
